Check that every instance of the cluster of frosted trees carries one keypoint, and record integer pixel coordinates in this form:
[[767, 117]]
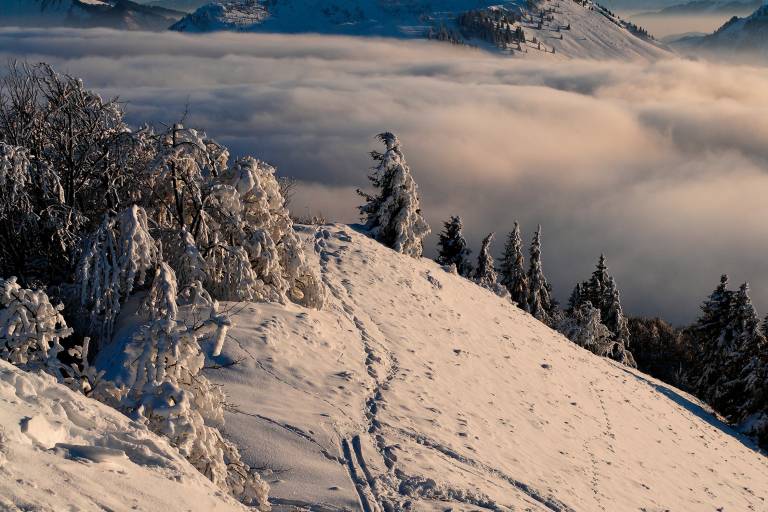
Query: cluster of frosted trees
[[94, 213], [594, 318], [728, 360], [729, 363], [392, 215]]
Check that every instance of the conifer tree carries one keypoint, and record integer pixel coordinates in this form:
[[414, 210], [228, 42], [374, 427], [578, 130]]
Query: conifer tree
[[453, 247], [576, 299], [615, 320], [393, 216], [595, 289], [512, 269], [539, 300], [485, 274]]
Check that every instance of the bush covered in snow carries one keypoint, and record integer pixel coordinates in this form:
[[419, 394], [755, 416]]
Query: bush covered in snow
[[91, 202], [92, 210]]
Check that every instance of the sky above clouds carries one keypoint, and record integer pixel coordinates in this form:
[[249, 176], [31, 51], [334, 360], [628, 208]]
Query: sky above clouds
[[662, 166]]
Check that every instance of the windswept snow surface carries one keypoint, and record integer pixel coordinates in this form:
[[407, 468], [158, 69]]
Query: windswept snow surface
[[62, 451], [417, 386]]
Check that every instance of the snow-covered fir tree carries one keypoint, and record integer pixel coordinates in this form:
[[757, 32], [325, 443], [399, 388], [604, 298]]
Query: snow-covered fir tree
[[602, 292], [512, 269], [453, 248], [392, 215], [615, 320], [712, 334], [539, 300], [485, 273], [731, 359]]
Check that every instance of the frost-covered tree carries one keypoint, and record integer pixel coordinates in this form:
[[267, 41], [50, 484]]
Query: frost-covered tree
[[118, 257], [485, 274], [78, 152], [393, 215], [595, 290], [166, 391], [585, 328], [227, 225], [453, 248], [576, 299], [540, 303], [31, 335], [512, 269], [711, 332], [602, 293], [615, 319], [731, 358], [31, 328]]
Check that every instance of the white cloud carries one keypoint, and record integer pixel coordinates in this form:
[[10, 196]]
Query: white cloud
[[662, 166]]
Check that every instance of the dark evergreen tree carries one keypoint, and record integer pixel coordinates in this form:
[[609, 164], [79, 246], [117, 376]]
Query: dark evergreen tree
[[512, 269], [539, 299], [453, 247], [595, 289], [576, 299]]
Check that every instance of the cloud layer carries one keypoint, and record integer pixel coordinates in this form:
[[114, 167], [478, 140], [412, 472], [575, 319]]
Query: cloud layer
[[661, 166]]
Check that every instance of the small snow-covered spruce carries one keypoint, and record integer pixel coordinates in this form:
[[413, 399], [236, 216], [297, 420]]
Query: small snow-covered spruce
[[485, 274], [393, 215], [512, 269], [166, 391], [117, 258], [540, 303], [453, 247]]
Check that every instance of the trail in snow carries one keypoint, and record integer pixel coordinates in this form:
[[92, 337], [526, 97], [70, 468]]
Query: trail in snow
[[415, 389]]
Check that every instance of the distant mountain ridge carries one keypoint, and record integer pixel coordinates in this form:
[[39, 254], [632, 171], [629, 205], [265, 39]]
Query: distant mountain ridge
[[119, 14], [561, 28], [742, 37], [705, 7]]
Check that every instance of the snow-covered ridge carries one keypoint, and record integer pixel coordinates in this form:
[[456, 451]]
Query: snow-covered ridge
[[413, 385], [120, 14], [547, 28], [59, 449]]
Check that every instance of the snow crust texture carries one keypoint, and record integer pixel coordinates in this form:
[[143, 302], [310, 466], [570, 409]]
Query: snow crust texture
[[414, 388]]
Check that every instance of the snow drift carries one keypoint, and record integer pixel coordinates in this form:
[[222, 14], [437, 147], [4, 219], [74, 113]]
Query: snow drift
[[60, 449]]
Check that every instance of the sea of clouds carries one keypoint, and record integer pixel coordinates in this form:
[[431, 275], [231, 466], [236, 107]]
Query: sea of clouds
[[661, 166]]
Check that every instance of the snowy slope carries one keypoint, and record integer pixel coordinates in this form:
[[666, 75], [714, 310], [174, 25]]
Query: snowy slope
[[119, 14], [423, 388], [62, 451], [591, 33]]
